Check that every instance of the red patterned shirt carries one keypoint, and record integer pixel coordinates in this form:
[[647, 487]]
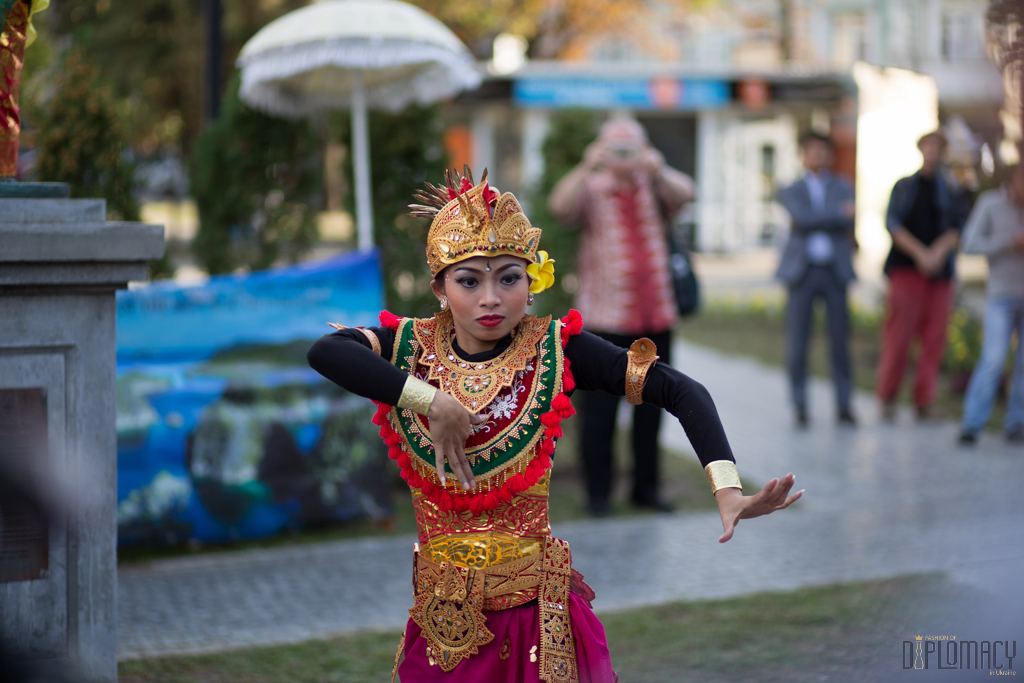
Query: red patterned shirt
[[625, 286]]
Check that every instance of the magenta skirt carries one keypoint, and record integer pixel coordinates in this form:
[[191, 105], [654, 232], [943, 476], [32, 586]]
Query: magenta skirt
[[508, 658]]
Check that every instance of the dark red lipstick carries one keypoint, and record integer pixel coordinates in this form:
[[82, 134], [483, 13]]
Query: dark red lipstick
[[490, 320]]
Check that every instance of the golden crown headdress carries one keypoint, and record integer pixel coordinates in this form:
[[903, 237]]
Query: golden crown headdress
[[473, 220]]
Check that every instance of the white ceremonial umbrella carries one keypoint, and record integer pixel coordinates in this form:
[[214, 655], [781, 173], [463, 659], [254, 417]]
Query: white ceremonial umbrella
[[333, 54]]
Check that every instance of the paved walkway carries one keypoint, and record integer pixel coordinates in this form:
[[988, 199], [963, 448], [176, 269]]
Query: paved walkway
[[881, 500]]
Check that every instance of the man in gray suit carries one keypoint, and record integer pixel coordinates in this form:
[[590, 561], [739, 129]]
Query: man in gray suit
[[817, 262]]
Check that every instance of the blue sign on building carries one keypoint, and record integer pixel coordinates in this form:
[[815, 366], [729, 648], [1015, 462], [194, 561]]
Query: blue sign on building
[[670, 94]]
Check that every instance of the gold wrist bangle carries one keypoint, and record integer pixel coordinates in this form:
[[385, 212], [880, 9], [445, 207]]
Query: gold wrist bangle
[[417, 396], [722, 474], [641, 356]]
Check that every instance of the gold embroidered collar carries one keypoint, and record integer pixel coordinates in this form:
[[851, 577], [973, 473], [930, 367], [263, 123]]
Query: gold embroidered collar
[[476, 385]]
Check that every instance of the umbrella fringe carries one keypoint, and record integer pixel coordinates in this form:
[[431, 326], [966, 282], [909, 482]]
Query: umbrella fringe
[[443, 74]]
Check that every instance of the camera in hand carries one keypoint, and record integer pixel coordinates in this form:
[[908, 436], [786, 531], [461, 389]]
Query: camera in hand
[[625, 151]]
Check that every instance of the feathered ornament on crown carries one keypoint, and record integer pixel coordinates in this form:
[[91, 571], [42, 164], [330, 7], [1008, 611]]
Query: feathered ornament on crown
[[475, 220]]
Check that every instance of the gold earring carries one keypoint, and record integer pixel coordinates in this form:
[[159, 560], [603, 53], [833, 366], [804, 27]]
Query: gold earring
[[529, 299], [444, 303]]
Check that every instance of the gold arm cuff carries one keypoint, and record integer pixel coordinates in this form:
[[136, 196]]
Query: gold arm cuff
[[370, 336], [641, 356], [722, 474], [374, 342], [417, 396]]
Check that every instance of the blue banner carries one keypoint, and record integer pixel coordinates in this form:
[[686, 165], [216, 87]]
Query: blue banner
[[167, 322], [669, 94], [215, 448]]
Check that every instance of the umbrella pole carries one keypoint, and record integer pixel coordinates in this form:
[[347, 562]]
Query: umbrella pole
[[361, 159]]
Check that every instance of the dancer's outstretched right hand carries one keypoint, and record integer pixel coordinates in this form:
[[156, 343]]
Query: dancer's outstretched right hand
[[734, 506], [449, 429]]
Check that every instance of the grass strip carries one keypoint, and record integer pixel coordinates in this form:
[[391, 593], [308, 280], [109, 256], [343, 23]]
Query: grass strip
[[843, 632]]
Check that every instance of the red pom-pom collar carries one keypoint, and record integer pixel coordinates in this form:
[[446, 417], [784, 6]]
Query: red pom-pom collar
[[389, 320]]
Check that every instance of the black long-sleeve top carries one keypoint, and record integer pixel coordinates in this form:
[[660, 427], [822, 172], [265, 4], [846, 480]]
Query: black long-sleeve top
[[347, 359]]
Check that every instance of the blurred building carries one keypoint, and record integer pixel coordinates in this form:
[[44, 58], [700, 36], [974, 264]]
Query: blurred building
[[726, 89]]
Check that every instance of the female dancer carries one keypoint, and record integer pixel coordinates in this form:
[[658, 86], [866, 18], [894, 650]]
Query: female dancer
[[470, 403]]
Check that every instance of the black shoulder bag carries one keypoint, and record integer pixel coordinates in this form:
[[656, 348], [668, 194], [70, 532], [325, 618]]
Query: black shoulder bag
[[684, 280]]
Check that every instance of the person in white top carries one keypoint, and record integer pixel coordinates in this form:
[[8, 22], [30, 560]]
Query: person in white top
[[996, 229]]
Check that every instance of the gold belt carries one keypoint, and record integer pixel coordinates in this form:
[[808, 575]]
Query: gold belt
[[451, 601], [505, 585]]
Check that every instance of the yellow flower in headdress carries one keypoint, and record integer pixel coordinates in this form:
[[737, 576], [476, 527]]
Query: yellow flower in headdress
[[36, 7], [542, 273]]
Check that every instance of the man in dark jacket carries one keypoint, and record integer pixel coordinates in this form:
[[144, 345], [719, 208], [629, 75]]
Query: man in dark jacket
[[926, 213], [817, 263]]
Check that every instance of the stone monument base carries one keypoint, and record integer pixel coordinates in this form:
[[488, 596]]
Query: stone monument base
[[60, 265], [12, 190]]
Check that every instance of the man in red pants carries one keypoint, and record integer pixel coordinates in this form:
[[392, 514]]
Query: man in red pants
[[925, 215]]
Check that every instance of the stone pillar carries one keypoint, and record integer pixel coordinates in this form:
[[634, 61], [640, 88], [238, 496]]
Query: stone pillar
[[60, 264]]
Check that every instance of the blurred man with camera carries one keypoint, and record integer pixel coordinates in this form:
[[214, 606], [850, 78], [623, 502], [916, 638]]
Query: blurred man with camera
[[622, 196]]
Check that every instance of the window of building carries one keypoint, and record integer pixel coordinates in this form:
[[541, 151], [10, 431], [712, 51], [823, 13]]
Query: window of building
[[849, 39], [962, 35]]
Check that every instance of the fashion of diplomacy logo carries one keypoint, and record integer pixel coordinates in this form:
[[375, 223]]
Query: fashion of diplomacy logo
[[946, 652]]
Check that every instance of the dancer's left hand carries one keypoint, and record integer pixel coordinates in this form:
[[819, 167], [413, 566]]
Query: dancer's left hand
[[734, 506]]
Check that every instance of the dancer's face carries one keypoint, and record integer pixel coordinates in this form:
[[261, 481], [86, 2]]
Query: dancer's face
[[487, 297]]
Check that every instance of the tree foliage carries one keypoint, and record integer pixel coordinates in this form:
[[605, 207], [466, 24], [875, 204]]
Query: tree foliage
[[570, 132], [80, 139], [255, 180], [554, 29], [1004, 15], [406, 149], [152, 53], [1006, 21]]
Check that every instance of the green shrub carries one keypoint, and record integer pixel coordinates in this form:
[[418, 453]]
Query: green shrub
[[80, 140], [570, 132], [405, 150], [963, 341], [256, 182]]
